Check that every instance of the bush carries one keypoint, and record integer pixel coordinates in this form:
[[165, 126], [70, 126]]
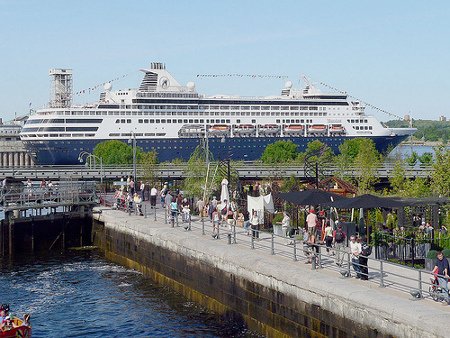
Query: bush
[[446, 253], [277, 218], [431, 254]]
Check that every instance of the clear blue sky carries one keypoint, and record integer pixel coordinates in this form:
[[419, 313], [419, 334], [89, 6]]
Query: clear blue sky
[[392, 54]]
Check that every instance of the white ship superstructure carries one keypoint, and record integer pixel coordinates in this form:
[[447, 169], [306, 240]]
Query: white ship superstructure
[[173, 119]]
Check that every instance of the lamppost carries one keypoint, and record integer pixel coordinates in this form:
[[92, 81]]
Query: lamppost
[[92, 159], [132, 140]]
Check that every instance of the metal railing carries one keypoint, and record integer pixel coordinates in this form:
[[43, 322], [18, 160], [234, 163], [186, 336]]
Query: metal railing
[[383, 273]]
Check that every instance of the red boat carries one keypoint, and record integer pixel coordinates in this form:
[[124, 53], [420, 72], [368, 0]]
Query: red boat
[[15, 328]]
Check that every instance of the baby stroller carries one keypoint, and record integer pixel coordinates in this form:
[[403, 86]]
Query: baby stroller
[[435, 290]]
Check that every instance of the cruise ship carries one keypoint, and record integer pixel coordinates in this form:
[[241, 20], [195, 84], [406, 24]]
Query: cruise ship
[[173, 119]]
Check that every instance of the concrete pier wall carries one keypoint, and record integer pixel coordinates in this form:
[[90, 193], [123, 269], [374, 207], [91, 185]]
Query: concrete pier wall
[[272, 294]]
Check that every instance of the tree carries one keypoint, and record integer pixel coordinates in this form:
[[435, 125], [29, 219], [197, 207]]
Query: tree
[[418, 187], [362, 154], [280, 151], [397, 178], [440, 177], [148, 161], [319, 152], [116, 152]]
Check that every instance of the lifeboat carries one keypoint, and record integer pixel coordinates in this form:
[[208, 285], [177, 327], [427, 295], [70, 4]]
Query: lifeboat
[[317, 128], [15, 328], [337, 128], [244, 129], [268, 129], [219, 129], [192, 130], [293, 129]]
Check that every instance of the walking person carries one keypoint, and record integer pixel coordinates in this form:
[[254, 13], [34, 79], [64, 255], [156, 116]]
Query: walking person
[[311, 220], [173, 210], [153, 195], [355, 249], [246, 215], [328, 237], [216, 222], [254, 222], [443, 270], [142, 187], [366, 250], [339, 244]]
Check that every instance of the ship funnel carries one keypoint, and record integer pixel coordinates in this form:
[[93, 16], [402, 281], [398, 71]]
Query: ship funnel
[[61, 88]]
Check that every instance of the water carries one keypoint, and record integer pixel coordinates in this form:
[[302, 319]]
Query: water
[[405, 150], [80, 294]]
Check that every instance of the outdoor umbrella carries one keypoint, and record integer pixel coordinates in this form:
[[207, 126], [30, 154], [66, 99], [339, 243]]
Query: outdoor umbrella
[[310, 197], [367, 201], [224, 194]]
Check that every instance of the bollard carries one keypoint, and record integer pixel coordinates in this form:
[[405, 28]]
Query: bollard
[[420, 283], [189, 228], [176, 215], [165, 216], [234, 233], [218, 232], [203, 226], [273, 245], [155, 212], [229, 238], [295, 250], [381, 275], [313, 261], [348, 264], [253, 242], [320, 257], [145, 210]]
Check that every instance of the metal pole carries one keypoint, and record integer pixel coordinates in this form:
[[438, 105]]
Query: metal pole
[[234, 233], [381, 275], [348, 263], [320, 257], [420, 283], [145, 210], [273, 245], [134, 157], [203, 226], [155, 213], [295, 250], [253, 242]]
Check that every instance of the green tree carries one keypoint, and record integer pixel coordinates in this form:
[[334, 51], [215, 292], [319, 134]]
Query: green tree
[[280, 152], [418, 187], [397, 178], [318, 152], [361, 154], [440, 177], [426, 158], [148, 161], [116, 152]]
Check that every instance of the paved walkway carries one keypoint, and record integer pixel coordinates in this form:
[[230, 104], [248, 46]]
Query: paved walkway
[[276, 258]]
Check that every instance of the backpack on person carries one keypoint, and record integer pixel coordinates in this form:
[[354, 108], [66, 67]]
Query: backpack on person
[[340, 236], [366, 249]]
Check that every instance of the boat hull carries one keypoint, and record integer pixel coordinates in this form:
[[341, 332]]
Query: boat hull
[[66, 152]]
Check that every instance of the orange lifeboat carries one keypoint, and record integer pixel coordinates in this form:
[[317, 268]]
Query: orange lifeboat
[[337, 128], [219, 129], [294, 129], [317, 128]]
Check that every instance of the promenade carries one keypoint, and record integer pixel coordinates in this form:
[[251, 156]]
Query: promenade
[[271, 261]]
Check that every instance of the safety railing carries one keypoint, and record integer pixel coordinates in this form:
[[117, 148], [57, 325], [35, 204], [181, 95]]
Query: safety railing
[[418, 283]]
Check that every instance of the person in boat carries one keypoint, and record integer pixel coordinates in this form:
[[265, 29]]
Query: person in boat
[[7, 324], [26, 320]]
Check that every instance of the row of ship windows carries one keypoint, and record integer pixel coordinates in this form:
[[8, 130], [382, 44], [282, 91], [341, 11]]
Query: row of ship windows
[[35, 129], [362, 127], [207, 121], [357, 121], [200, 113]]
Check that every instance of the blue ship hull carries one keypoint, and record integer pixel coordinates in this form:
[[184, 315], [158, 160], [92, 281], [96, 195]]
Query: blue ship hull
[[65, 152]]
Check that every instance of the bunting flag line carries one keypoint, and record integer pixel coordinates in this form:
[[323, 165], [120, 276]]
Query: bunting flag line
[[100, 85], [253, 76]]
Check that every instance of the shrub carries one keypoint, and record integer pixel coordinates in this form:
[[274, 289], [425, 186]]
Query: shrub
[[277, 218], [431, 254], [446, 252]]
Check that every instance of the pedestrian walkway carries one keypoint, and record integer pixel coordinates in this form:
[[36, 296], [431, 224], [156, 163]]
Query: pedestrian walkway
[[275, 256]]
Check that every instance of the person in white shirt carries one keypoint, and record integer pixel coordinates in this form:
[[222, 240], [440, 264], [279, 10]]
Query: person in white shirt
[[153, 194], [142, 189], [285, 224], [355, 249], [311, 220]]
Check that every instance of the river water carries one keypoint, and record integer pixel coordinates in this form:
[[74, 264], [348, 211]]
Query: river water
[[80, 294]]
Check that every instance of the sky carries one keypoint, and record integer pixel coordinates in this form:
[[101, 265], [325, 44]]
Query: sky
[[392, 54]]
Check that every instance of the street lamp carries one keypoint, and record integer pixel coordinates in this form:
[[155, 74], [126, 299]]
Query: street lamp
[[91, 158], [132, 140]]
